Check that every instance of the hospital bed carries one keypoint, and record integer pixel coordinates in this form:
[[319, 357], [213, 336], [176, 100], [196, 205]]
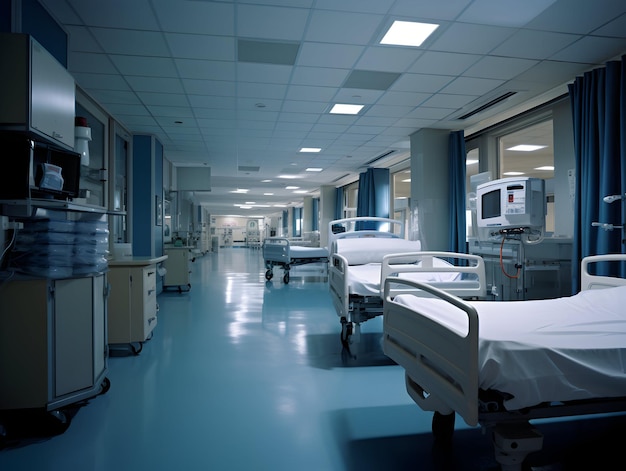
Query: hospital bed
[[279, 251], [502, 364], [366, 250]]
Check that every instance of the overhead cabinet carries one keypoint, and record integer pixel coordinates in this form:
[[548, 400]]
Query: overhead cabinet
[[37, 93]]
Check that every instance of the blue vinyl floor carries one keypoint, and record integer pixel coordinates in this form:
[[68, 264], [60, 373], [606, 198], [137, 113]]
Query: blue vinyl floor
[[244, 374]]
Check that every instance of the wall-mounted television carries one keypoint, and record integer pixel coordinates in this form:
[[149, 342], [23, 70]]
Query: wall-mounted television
[[511, 203]]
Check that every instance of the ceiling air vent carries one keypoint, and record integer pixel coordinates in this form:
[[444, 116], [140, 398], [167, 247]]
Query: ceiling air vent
[[489, 104], [380, 157]]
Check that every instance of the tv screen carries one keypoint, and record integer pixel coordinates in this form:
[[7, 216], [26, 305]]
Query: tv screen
[[491, 204]]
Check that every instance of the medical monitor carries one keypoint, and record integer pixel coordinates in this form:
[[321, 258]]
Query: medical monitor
[[511, 203]]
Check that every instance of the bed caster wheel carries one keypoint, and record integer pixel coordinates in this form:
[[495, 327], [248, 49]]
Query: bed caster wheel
[[443, 427], [58, 421], [286, 278], [269, 275], [346, 332], [136, 349], [105, 386]]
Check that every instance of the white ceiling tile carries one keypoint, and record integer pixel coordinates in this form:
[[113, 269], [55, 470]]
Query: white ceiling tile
[[269, 22], [339, 27], [165, 99], [263, 73], [319, 76], [170, 111], [586, 50], [292, 106], [423, 9], [155, 84], [145, 66], [90, 63], [361, 6], [534, 44], [577, 16], [328, 55], [205, 70], [213, 101], [443, 100], [209, 87], [137, 43], [94, 82], [472, 86], [499, 67], [127, 109], [262, 90], [197, 46], [388, 59], [422, 83], [472, 39], [117, 14], [117, 96], [615, 28], [443, 63], [217, 18], [402, 98], [503, 12], [308, 93], [357, 96]]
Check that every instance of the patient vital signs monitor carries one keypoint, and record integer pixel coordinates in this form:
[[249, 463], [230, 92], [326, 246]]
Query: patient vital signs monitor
[[511, 205]]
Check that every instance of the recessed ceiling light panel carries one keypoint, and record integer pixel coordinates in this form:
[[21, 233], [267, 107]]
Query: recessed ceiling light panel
[[408, 33], [526, 148], [340, 108]]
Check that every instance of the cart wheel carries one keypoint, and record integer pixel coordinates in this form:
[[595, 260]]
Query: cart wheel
[[443, 427], [286, 277], [59, 421], [188, 286], [136, 349], [269, 275], [105, 386], [180, 290]]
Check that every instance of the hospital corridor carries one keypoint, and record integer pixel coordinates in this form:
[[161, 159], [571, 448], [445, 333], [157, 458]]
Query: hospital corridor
[[247, 374]]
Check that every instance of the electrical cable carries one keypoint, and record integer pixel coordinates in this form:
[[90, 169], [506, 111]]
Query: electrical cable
[[502, 262]]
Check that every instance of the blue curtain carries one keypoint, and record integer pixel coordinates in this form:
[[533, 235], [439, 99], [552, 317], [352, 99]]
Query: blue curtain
[[339, 203], [456, 166], [315, 209], [373, 197], [599, 116]]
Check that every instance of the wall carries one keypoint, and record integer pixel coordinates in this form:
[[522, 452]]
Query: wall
[[564, 160]]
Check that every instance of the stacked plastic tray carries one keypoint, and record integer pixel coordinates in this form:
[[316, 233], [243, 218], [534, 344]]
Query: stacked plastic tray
[[61, 248]]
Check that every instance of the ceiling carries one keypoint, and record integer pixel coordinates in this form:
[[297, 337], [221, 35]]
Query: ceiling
[[241, 85]]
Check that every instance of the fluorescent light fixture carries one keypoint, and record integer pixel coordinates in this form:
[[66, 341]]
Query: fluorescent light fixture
[[250, 202], [406, 180], [471, 161], [525, 148], [280, 205], [287, 177], [340, 108], [268, 194], [314, 169], [240, 190], [265, 181], [291, 187], [408, 33], [301, 191], [545, 167], [244, 206], [310, 149], [513, 174]]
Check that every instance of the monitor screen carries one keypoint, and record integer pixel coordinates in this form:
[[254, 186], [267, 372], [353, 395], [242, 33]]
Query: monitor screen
[[491, 205]]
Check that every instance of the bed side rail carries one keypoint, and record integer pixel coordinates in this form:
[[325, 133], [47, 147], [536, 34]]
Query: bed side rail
[[441, 364], [276, 249], [473, 265], [590, 281], [338, 284]]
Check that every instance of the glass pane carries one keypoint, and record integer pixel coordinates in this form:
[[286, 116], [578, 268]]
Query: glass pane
[[91, 180]]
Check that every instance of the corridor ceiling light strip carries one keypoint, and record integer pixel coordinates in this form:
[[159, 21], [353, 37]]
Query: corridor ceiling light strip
[[342, 108], [310, 149], [408, 33]]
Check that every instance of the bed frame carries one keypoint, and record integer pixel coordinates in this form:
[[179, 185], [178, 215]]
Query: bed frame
[[441, 371], [354, 309], [279, 251]]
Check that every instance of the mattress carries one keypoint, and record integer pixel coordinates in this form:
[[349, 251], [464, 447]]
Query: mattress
[[364, 280], [298, 251], [551, 350]]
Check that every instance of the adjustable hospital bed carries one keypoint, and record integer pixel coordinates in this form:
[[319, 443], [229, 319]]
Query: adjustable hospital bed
[[279, 251], [361, 259], [501, 364]]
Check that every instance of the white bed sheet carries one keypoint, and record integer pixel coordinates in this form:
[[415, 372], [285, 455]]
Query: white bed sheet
[[547, 350], [364, 280]]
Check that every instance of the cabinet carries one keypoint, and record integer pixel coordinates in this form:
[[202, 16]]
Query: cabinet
[[132, 302], [177, 268], [37, 93], [53, 348]]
